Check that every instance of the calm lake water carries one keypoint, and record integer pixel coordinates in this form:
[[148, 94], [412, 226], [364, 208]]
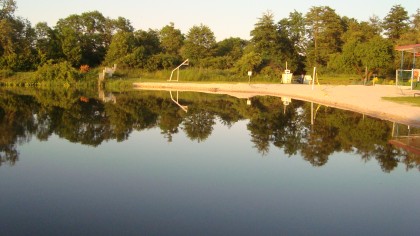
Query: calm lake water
[[139, 164]]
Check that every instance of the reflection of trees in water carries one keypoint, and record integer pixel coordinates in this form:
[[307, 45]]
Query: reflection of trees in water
[[17, 125], [198, 125], [169, 121], [92, 122]]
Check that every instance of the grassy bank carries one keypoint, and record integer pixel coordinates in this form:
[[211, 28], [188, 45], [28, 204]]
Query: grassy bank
[[415, 101], [123, 78], [212, 75]]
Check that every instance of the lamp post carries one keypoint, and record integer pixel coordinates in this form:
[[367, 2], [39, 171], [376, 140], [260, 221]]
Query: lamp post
[[249, 76]]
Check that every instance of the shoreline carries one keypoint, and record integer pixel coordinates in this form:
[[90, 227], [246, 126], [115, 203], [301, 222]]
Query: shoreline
[[357, 98]]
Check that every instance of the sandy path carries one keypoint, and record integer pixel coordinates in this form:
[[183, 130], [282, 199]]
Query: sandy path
[[362, 99]]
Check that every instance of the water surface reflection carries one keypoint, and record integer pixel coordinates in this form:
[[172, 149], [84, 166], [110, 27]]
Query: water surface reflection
[[139, 164], [295, 127]]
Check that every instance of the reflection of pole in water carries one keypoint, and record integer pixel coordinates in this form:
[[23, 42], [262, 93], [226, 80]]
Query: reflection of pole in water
[[286, 101], [312, 113], [105, 97], [185, 108]]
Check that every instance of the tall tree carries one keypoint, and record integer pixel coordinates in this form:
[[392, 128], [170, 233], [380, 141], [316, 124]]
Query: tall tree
[[294, 25], [16, 39], [325, 29], [265, 37], [47, 44], [412, 36], [292, 39], [396, 23], [199, 43], [85, 35], [171, 39], [122, 44]]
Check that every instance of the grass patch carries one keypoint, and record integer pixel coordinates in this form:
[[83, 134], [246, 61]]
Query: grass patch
[[415, 101]]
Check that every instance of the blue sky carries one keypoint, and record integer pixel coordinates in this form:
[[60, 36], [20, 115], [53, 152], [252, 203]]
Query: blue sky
[[235, 18]]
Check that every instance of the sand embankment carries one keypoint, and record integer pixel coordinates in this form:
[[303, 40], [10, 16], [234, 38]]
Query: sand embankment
[[358, 98]]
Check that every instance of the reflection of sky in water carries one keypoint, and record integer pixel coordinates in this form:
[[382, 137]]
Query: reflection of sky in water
[[219, 186]]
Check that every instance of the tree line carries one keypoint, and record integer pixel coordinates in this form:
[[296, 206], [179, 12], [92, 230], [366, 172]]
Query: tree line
[[319, 37]]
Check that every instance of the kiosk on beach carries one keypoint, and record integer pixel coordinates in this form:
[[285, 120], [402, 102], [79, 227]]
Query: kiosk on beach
[[286, 77]]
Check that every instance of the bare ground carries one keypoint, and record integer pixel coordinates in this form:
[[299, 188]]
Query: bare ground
[[358, 98]]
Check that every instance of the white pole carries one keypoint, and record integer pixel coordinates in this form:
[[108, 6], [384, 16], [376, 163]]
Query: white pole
[[412, 76], [313, 78]]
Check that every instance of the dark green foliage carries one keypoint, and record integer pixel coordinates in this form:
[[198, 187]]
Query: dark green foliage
[[162, 61]]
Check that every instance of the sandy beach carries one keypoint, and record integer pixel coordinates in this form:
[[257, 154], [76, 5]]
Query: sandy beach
[[358, 98]]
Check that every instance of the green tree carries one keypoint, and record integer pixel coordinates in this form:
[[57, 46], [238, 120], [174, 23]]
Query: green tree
[[324, 29], [84, 38], [120, 24], [16, 39], [376, 55], [293, 40], [149, 40], [412, 36], [146, 44], [171, 39], [199, 43], [47, 44], [359, 31], [396, 23], [231, 47], [122, 44], [376, 23], [265, 37], [249, 62]]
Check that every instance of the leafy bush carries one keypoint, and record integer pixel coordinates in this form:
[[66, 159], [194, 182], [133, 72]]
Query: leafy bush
[[62, 72]]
